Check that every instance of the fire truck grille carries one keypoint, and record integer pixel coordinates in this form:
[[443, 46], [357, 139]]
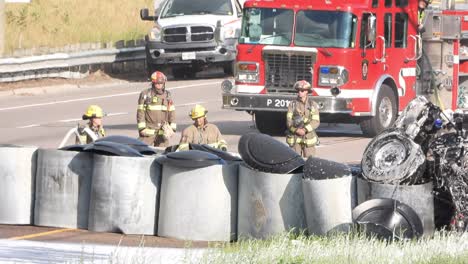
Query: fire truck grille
[[188, 34], [283, 70]]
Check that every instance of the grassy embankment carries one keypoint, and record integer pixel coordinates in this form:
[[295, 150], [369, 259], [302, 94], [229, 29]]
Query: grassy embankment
[[57, 23], [443, 248]]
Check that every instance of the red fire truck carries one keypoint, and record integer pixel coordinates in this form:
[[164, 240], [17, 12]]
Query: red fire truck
[[360, 56]]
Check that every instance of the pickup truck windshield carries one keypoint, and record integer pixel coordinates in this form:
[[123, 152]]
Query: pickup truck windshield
[[271, 26], [330, 29], [196, 7]]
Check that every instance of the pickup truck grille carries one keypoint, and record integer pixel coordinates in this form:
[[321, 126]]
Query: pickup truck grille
[[283, 70], [188, 34]]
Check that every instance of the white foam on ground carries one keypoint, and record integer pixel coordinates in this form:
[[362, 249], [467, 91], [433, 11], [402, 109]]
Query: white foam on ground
[[23, 251]]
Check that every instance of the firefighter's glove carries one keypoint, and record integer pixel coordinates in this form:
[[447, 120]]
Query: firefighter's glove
[[147, 132], [168, 132], [300, 131]]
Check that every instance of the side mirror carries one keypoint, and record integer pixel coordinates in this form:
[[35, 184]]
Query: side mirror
[[371, 28], [144, 15], [219, 32]]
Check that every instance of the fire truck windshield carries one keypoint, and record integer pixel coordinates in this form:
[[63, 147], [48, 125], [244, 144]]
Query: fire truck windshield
[[271, 26], [319, 28]]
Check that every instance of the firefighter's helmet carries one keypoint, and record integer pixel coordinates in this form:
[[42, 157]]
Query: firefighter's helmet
[[197, 112], [302, 85], [93, 111], [158, 77]]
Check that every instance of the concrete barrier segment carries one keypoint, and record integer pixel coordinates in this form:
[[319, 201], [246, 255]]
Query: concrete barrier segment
[[419, 197], [17, 174], [329, 203], [199, 204], [269, 203], [63, 186], [124, 195]]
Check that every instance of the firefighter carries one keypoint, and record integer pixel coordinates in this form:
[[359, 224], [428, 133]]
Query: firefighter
[[94, 114], [201, 132], [301, 120], [156, 113], [422, 5]]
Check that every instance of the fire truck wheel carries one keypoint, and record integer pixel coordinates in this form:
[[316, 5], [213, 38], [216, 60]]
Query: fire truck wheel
[[385, 115], [271, 123]]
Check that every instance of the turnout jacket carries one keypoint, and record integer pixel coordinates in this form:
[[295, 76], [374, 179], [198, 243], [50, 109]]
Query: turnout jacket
[[309, 112], [84, 137], [153, 111], [208, 134]]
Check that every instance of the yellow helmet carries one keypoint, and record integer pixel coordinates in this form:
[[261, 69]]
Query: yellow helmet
[[197, 112], [93, 111]]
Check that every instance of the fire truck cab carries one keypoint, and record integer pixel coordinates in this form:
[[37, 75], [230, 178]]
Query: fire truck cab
[[361, 57]]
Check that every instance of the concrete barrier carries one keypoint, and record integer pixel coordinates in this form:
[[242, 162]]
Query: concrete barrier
[[63, 185], [329, 203], [418, 197], [124, 194], [269, 203], [17, 173], [199, 204]]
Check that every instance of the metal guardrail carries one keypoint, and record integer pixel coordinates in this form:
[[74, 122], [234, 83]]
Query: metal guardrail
[[60, 64]]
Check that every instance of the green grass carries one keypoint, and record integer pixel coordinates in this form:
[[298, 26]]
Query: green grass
[[56, 23], [443, 248]]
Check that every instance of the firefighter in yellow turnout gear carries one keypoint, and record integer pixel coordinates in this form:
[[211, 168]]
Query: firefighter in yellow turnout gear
[[302, 119], [156, 113], [94, 114], [201, 132]]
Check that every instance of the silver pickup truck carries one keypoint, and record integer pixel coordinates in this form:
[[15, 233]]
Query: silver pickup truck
[[189, 35]]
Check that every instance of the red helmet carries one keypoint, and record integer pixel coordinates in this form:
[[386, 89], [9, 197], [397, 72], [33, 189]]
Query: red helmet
[[158, 77]]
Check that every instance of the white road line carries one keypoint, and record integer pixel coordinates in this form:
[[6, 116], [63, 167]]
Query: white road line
[[71, 120], [28, 126], [100, 97], [117, 114]]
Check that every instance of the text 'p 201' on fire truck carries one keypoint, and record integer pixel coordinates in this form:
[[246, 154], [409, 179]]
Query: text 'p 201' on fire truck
[[361, 57]]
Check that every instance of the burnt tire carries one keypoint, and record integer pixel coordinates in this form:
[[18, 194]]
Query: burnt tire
[[393, 158], [387, 110], [271, 123]]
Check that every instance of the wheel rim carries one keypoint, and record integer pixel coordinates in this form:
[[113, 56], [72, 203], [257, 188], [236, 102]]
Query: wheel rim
[[385, 112], [390, 155]]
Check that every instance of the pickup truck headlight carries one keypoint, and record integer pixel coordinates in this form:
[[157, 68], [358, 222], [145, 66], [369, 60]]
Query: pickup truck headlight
[[155, 34], [247, 72], [230, 32], [333, 76]]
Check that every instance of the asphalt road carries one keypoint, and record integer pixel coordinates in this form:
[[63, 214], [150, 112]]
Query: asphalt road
[[42, 117]]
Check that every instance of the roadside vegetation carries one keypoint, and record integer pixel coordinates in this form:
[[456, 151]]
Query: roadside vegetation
[[443, 248], [57, 23]]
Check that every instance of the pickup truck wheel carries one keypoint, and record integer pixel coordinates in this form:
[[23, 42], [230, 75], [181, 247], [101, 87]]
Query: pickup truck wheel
[[271, 123], [387, 110], [178, 73], [151, 68], [229, 68]]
